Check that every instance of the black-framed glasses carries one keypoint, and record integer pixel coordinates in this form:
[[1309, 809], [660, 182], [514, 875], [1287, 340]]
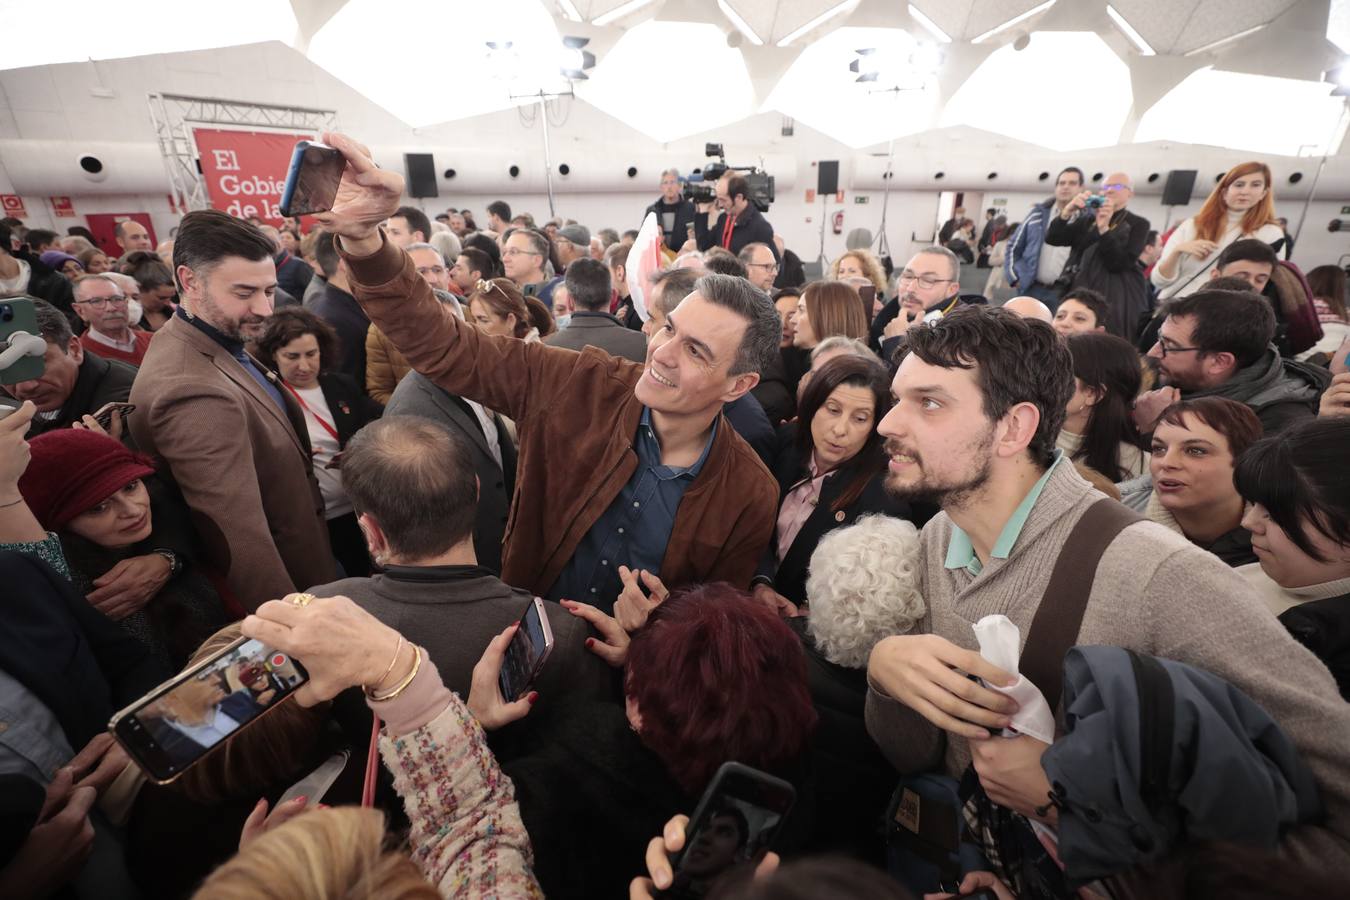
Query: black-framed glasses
[[927, 281], [102, 302], [1166, 349], [770, 267]]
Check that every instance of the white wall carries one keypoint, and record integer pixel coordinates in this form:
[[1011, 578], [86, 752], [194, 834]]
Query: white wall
[[55, 103]]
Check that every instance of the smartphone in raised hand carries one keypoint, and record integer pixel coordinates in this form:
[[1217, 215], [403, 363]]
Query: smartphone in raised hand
[[527, 652], [312, 179], [177, 724]]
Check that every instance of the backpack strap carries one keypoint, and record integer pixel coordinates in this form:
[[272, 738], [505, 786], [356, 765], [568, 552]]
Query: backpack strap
[[1054, 628]]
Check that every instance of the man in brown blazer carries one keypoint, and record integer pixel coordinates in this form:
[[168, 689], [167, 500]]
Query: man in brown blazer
[[232, 437]]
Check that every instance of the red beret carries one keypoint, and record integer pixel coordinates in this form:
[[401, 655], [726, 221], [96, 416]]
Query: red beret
[[73, 470]]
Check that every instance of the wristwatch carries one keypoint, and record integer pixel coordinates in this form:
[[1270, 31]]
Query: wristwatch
[[174, 565]]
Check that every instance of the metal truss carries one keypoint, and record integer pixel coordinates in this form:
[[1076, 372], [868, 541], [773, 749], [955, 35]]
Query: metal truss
[[174, 115]]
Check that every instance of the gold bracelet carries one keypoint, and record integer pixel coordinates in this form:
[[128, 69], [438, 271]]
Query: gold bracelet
[[369, 688], [417, 664]]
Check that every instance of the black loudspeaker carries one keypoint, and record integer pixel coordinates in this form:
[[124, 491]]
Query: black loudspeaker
[[421, 175], [827, 177], [1177, 189]]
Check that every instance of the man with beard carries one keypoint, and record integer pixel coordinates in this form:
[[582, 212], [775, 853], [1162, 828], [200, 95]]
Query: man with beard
[[980, 396], [928, 287], [221, 423]]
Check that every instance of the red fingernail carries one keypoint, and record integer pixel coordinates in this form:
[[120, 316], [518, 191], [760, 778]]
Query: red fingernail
[[301, 799], [590, 642], [323, 806], [534, 695]]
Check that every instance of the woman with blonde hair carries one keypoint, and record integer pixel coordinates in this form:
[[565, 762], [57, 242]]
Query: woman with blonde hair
[[825, 309], [1242, 205], [859, 264]]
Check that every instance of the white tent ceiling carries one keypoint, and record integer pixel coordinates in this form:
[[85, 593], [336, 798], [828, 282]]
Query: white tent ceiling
[[672, 68]]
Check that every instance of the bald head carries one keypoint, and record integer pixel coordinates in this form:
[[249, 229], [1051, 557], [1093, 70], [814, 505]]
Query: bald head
[[1119, 188], [1030, 308]]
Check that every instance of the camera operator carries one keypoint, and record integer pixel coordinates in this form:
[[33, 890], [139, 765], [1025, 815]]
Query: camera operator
[[740, 222], [673, 213]]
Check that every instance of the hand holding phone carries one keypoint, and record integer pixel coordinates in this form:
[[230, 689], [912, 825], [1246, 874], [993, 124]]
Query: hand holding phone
[[312, 179], [735, 823], [526, 653], [486, 701]]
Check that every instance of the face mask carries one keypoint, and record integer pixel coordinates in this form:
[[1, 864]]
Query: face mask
[[563, 320]]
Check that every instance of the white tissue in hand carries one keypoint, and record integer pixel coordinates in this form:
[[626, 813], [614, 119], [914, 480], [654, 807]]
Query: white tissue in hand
[[999, 642]]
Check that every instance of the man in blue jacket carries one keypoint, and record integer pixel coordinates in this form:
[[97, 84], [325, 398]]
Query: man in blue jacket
[[1031, 266]]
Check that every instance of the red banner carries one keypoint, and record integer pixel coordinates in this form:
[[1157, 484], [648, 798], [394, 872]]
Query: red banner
[[245, 171], [12, 206], [63, 208]]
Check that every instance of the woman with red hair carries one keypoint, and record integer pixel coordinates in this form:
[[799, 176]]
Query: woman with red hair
[[1242, 205], [712, 676]]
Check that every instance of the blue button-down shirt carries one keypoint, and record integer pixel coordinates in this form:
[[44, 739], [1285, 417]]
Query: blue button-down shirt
[[635, 529], [236, 349]]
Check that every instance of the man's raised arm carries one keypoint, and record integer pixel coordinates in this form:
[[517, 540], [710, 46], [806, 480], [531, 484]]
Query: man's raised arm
[[504, 374]]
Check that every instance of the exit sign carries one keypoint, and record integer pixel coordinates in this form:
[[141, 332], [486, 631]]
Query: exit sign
[[860, 199]]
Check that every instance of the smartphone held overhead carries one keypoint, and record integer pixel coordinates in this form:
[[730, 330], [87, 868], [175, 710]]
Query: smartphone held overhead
[[181, 721], [312, 180]]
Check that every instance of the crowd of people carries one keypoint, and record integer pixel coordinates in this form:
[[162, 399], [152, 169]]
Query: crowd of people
[[1047, 598]]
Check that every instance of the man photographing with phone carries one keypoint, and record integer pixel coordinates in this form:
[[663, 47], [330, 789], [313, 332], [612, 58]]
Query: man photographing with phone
[[671, 489]]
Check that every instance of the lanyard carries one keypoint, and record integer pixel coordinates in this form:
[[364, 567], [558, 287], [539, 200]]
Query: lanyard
[[727, 229], [318, 418]]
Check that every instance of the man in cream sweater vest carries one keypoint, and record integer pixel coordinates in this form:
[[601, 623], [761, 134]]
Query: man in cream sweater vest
[[980, 399]]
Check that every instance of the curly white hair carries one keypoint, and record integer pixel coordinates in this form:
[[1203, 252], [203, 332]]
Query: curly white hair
[[863, 585]]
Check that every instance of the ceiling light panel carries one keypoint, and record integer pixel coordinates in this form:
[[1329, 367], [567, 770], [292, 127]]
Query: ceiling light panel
[[1076, 113]]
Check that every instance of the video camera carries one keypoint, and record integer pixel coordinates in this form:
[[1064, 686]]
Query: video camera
[[760, 182]]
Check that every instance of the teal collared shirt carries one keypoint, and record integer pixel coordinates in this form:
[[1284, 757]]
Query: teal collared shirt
[[961, 552]]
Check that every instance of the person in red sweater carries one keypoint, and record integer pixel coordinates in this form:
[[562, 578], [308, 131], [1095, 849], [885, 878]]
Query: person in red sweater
[[100, 303]]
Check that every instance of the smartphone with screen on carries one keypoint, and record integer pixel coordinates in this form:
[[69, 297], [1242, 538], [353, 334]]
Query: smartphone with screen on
[[17, 314], [177, 724], [312, 180], [525, 655], [735, 824]]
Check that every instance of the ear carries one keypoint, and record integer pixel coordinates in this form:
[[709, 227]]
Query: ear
[[374, 535], [571, 304], [740, 386], [1093, 395], [75, 350], [1019, 427], [189, 281], [1220, 363]]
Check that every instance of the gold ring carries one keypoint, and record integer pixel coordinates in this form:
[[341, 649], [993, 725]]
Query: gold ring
[[302, 599]]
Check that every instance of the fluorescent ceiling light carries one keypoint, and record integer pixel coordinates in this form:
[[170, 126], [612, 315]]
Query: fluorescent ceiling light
[[619, 12], [720, 73], [819, 20], [1100, 103], [741, 25], [569, 10], [35, 34], [1214, 45], [928, 24], [1015, 20], [1213, 107], [820, 92], [1128, 30]]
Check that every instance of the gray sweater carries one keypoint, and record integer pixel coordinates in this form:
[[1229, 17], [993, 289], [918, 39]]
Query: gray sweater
[[1154, 593]]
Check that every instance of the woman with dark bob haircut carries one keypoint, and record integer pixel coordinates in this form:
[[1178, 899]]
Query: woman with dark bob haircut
[[831, 470], [1098, 430], [1298, 511], [713, 676], [301, 347]]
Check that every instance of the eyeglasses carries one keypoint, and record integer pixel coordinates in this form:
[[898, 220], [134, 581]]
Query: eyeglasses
[[102, 302], [1116, 187], [1165, 349], [431, 270], [516, 251], [768, 267], [925, 281]]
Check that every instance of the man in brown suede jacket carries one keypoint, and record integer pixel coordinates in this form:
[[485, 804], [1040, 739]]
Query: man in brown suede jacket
[[620, 464]]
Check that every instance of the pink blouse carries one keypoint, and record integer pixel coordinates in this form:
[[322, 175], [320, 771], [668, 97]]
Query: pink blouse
[[797, 507]]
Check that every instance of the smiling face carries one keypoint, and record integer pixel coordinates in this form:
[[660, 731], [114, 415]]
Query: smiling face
[[1191, 465], [689, 359], [118, 521], [1245, 192], [841, 426], [1283, 560], [299, 362], [1075, 317], [938, 439]]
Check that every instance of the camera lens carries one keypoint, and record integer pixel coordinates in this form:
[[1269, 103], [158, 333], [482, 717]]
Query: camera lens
[[6, 313]]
